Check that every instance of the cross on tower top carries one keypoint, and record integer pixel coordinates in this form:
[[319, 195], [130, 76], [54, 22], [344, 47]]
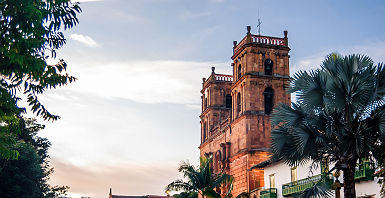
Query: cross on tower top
[[259, 24]]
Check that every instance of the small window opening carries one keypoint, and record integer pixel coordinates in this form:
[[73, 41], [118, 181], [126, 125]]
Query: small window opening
[[293, 174], [268, 98], [228, 101], [268, 67], [272, 180], [239, 71]]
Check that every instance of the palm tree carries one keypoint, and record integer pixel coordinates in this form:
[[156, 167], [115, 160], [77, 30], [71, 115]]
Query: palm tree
[[339, 114], [201, 180]]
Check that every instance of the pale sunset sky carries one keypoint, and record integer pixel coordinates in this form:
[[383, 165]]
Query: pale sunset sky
[[132, 116]]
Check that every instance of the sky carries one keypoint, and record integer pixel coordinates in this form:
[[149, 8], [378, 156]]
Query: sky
[[133, 114]]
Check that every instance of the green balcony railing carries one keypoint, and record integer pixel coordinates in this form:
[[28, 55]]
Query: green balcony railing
[[268, 193], [364, 171], [303, 184]]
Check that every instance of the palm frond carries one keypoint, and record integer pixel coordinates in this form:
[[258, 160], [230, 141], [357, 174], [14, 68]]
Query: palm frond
[[221, 179], [340, 113], [287, 115], [320, 190], [179, 184], [210, 193]]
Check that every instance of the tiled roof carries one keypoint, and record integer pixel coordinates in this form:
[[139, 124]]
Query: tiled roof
[[265, 163]]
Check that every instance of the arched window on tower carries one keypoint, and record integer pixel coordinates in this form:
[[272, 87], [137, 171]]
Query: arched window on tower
[[268, 67], [228, 101], [269, 100], [239, 71], [239, 104], [205, 103]]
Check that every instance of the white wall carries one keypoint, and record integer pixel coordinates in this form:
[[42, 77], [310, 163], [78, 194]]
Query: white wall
[[283, 176], [367, 188]]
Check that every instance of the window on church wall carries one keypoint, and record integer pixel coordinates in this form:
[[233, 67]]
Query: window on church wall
[[268, 67], [239, 71], [228, 101], [293, 172], [239, 103], [268, 95], [205, 103], [272, 180]]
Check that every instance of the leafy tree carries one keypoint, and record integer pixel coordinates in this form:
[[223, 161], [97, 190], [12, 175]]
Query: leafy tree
[[28, 176], [190, 194], [201, 180], [339, 114], [31, 32]]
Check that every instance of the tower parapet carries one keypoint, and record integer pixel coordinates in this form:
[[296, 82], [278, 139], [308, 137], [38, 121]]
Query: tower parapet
[[252, 39]]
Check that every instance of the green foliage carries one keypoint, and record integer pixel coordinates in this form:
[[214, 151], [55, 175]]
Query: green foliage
[[339, 114], [31, 32], [28, 176], [319, 190], [200, 180], [8, 136], [190, 194]]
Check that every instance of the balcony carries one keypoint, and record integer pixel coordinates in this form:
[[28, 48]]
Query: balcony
[[364, 172], [268, 193], [303, 184]]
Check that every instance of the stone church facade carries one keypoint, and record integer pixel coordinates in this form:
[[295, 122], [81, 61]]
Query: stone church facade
[[236, 109]]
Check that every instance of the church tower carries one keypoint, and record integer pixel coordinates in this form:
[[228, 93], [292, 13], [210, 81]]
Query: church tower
[[237, 136]]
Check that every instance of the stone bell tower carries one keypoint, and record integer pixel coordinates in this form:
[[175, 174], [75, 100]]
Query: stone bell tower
[[242, 138]]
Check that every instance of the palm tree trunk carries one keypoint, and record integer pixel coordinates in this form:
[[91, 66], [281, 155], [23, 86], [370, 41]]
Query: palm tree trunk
[[349, 183]]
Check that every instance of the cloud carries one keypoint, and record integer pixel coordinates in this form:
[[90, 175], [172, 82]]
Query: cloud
[[94, 180], [84, 39], [192, 15], [177, 82], [375, 50], [126, 112], [309, 62], [128, 18]]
